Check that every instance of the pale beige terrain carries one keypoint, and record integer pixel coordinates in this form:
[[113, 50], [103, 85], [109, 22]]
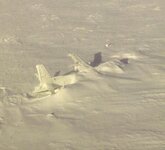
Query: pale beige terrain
[[120, 107]]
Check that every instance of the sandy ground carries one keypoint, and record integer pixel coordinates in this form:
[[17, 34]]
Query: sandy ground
[[122, 108]]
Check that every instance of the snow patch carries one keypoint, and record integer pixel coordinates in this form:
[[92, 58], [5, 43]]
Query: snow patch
[[109, 67], [125, 55], [9, 40]]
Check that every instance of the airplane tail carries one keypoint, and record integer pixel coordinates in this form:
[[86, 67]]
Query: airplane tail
[[42, 74]]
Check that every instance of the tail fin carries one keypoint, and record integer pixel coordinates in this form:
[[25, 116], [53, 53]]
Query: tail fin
[[42, 73]]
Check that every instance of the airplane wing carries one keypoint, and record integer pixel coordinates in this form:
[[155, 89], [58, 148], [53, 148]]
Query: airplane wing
[[79, 64]]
